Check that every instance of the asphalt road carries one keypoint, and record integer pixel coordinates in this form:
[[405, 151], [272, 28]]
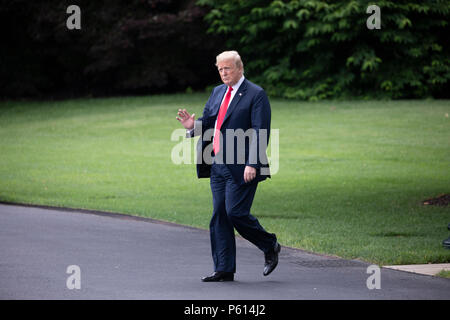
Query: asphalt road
[[121, 257]]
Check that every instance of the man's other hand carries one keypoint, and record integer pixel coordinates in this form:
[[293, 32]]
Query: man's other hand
[[249, 174]]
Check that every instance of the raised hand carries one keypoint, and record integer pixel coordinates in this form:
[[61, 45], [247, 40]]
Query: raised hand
[[186, 120]]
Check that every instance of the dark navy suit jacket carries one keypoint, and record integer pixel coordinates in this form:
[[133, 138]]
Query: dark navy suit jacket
[[248, 116]]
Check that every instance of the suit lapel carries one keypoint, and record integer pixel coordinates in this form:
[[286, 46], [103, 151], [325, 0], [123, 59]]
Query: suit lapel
[[219, 99], [237, 97]]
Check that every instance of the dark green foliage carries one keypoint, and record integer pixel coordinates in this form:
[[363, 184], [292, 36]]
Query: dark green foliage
[[311, 49], [138, 46]]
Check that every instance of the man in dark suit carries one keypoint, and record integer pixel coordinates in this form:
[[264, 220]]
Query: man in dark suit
[[236, 118]]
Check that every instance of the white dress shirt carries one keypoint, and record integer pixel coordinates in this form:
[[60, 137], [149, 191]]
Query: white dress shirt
[[235, 87]]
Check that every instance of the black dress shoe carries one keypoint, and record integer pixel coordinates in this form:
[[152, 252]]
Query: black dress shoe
[[219, 276], [271, 259], [446, 243]]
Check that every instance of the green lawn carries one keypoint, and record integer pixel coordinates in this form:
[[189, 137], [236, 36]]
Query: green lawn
[[444, 274], [352, 175]]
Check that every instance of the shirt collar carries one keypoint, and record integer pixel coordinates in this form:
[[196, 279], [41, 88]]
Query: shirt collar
[[238, 84]]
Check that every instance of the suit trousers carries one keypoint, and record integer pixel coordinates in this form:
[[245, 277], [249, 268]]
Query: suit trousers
[[231, 210]]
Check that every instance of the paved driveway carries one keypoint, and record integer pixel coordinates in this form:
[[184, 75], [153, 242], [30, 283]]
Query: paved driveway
[[47, 253]]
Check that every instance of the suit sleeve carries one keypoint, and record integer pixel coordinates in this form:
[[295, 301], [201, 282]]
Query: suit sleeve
[[260, 123], [204, 122]]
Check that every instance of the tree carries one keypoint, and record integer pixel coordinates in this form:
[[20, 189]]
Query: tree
[[312, 49], [123, 47]]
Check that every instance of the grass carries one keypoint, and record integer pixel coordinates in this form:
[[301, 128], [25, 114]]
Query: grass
[[444, 274], [352, 174]]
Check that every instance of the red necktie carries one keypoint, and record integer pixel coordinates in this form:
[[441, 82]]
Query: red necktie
[[220, 117]]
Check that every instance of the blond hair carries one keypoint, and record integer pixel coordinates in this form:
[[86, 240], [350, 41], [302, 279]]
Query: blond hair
[[226, 55]]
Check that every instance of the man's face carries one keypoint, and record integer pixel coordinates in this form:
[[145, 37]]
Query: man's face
[[229, 73]]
